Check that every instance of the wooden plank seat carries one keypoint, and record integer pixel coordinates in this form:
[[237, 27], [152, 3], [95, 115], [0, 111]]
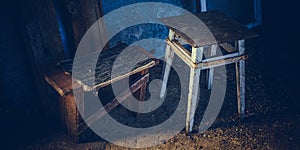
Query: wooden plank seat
[[66, 86], [223, 28]]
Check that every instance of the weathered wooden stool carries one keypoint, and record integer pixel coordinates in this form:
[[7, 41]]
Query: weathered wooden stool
[[62, 81], [227, 33]]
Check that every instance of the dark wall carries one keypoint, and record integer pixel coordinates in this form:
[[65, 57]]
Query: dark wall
[[280, 33], [20, 109], [16, 80], [241, 10]]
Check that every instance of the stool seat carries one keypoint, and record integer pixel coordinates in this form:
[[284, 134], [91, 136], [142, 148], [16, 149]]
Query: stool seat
[[223, 28]]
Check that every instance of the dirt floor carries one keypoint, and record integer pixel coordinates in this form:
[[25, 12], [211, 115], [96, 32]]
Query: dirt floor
[[270, 122]]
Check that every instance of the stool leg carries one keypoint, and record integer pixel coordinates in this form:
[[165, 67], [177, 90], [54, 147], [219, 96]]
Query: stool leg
[[192, 98], [213, 51], [241, 102], [169, 59], [193, 88], [240, 69], [169, 55]]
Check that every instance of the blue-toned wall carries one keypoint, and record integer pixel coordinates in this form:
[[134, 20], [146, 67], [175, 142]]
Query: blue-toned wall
[[241, 10], [140, 32], [110, 5]]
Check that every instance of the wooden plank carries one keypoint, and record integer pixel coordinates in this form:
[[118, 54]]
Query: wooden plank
[[103, 68], [180, 53], [186, 52], [228, 47], [114, 103], [221, 57], [221, 62], [197, 54], [206, 63], [137, 70], [218, 28], [70, 115], [169, 55], [62, 83]]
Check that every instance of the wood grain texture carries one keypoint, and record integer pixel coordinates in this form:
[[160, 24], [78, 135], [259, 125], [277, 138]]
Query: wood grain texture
[[223, 28], [92, 76], [62, 83]]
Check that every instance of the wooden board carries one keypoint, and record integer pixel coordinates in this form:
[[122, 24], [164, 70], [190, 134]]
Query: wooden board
[[62, 83], [106, 61], [223, 28]]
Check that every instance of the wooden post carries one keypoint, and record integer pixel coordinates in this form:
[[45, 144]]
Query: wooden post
[[83, 15], [240, 69], [70, 114], [197, 54], [213, 51], [203, 6], [141, 97], [142, 92], [169, 59], [67, 88]]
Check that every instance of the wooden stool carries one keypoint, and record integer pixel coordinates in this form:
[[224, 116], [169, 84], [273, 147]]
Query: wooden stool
[[224, 31], [62, 81]]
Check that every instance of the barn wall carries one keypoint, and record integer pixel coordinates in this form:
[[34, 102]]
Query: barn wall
[[16, 81], [141, 32]]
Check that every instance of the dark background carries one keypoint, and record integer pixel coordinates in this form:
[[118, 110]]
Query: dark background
[[22, 113]]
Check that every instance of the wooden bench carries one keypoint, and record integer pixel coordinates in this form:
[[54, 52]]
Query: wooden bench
[[67, 87]]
